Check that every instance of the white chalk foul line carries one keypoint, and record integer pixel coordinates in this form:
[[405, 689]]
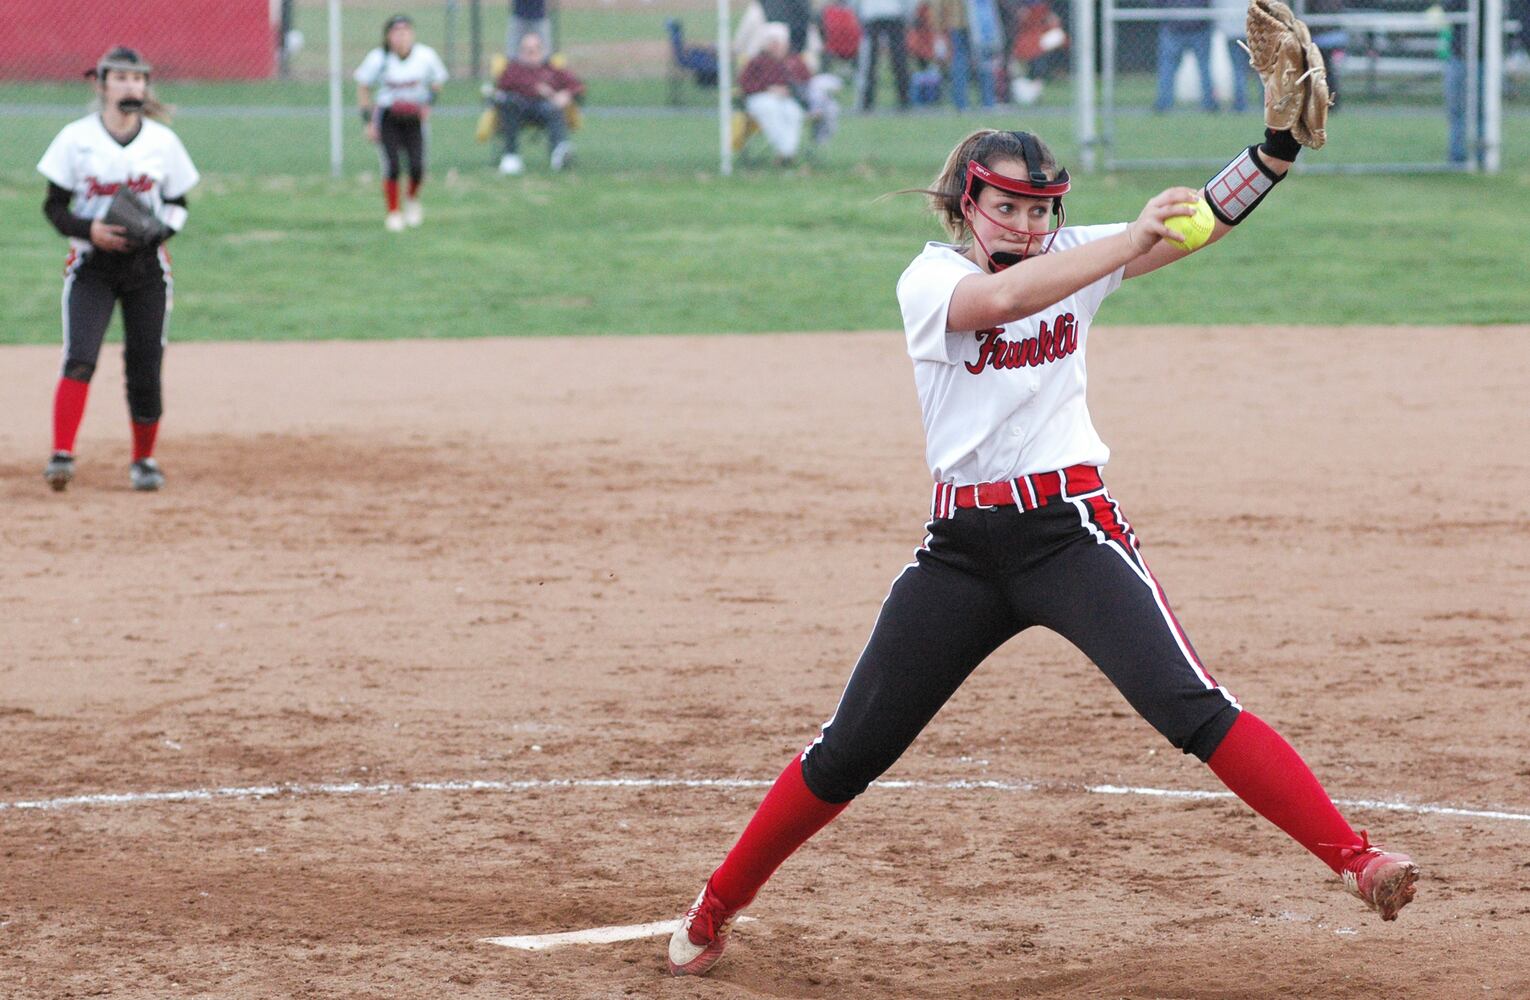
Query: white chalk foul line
[[594, 935], [298, 790]]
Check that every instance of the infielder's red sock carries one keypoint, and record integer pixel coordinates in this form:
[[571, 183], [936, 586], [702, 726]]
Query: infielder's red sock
[[143, 439], [68, 410], [390, 193], [414, 187], [786, 819], [1264, 771]]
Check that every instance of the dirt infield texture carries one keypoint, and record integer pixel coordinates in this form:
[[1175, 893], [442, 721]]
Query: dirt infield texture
[[657, 558]]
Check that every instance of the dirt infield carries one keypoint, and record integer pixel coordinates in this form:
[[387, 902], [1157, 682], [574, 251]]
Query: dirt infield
[[656, 558]]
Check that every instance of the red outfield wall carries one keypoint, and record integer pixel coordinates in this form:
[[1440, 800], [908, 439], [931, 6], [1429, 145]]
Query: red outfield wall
[[200, 39]]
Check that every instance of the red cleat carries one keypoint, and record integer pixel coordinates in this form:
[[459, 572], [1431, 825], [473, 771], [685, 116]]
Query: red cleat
[[1383, 880], [699, 941]]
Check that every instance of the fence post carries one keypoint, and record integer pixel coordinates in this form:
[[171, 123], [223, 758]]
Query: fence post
[[724, 91], [336, 133], [1492, 91], [1083, 82], [475, 37]]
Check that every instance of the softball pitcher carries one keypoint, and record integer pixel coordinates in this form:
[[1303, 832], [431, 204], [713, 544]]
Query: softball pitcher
[[118, 146], [1022, 529], [396, 84]]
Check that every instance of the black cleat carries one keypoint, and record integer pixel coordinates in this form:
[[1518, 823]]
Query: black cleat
[[146, 476], [59, 471]]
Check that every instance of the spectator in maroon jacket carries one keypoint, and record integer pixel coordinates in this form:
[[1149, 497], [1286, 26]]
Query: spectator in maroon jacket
[[529, 90], [770, 84]]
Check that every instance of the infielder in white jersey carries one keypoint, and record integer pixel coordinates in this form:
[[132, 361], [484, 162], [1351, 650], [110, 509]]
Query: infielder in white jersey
[[1022, 530], [120, 145], [396, 84]]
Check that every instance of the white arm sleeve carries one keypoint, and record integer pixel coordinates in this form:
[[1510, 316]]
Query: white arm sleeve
[[57, 165], [370, 70], [924, 295], [180, 173], [173, 216], [1092, 295]]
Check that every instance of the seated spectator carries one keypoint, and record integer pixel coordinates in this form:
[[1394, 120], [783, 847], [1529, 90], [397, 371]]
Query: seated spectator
[[779, 84], [771, 83], [531, 91]]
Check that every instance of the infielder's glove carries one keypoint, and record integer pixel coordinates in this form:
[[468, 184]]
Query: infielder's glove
[[133, 214], [1282, 52]]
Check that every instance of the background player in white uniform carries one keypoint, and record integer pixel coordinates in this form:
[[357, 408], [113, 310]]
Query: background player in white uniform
[[1022, 530], [85, 165], [395, 86]]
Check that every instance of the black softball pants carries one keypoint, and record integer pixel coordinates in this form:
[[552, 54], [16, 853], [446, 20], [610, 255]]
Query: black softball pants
[[986, 574], [399, 134], [93, 285]]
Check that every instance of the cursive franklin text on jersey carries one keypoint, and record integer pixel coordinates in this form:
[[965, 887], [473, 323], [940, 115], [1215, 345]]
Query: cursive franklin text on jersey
[[1054, 342], [142, 184]]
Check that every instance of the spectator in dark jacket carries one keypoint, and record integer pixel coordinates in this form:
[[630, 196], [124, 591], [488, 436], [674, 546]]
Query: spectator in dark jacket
[[529, 90]]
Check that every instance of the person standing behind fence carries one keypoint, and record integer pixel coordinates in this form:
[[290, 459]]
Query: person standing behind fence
[[87, 164], [1232, 20], [882, 21], [528, 17], [396, 84], [1174, 38], [1453, 50], [971, 49]]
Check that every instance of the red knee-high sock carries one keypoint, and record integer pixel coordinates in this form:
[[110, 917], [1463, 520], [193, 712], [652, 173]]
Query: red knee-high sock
[[1264, 771], [390, 194], [786, 819], [143, 439], [414, 186], [68, 410]]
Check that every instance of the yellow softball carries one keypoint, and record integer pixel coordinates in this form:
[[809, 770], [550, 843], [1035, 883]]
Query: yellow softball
[[1195, 229]]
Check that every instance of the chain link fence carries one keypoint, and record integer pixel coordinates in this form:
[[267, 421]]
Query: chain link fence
[[1120, 80], [1417, 85]]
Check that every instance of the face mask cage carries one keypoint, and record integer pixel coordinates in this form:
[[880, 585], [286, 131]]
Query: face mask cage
[[127, 61], [1035, 185]]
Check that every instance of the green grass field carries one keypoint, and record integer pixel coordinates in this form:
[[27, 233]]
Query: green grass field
[[643, 236]]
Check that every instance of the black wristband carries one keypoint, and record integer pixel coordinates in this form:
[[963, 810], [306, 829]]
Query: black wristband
[[366, 116], [1282, 145]]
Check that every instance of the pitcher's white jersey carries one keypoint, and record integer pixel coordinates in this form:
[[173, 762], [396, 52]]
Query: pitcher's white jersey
[[394, 80], [1008, 401], [85, 158]]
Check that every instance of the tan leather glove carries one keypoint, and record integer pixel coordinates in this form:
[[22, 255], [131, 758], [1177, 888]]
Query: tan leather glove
[[1282, 52]]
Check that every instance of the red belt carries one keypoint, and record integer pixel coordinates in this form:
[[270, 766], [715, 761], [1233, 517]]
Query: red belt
[[1025, 492]]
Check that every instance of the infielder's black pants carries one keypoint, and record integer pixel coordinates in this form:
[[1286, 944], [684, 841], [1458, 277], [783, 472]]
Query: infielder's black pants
[[986, 575], [402, 134], [92, 288]]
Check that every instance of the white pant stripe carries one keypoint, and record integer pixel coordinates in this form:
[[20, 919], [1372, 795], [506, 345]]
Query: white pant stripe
[[1139, 567]]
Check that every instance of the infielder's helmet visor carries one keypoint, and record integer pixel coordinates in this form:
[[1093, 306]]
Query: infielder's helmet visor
[[120, 58]]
